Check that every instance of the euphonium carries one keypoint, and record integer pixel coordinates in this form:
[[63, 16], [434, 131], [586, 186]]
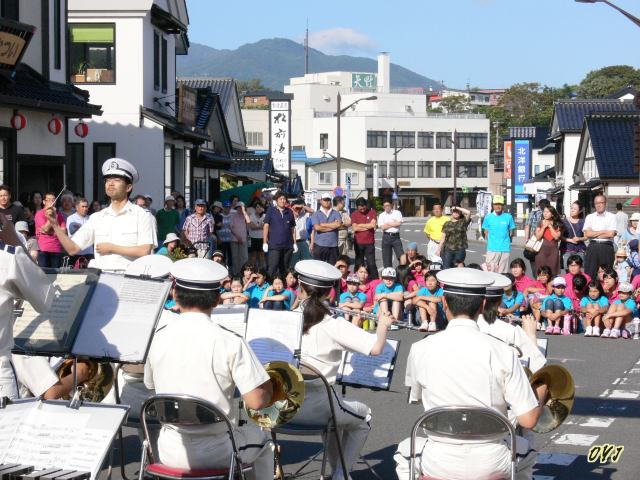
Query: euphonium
[[100, 381], [562, 391], [289, 380]]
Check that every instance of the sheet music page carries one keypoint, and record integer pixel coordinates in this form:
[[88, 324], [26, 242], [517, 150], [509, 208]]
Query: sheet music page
[[10, 420], [274, 335], [542, 345], [369, 371], [121, 318], [55, 323], [231, 317]]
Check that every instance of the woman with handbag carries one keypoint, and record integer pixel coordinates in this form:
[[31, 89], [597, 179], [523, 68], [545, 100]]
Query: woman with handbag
[[549, 231], [573, 237]]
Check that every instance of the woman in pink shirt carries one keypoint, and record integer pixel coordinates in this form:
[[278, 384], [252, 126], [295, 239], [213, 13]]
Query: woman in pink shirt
[[522, 281], [51, 251], [416, 280], [574, 267], [610, 284], [367, 287]]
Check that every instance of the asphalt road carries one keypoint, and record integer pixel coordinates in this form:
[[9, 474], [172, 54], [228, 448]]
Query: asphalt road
[[606, 410]]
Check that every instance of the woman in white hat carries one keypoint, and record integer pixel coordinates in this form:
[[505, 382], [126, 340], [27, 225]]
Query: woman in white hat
[[632, 231], [323, 341]]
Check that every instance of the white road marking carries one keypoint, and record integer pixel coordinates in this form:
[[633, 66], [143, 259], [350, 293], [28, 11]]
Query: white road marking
[[579, 439], [631, 394], [417, 230], [605, 393], [615, 382], [471, 251], [598, 422], [563, 459]]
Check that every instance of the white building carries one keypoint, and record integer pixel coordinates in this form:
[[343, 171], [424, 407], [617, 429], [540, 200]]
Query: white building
[[124, 53], [372, 129], [36, 102]]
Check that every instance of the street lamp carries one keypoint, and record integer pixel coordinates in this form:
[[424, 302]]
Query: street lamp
[[339, 114], [633, 18]]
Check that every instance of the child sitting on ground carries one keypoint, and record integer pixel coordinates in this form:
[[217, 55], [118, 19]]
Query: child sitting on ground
[[276, 297], [428, 300], [557, 309], [512, 300], [592, 307], [537, 292], [389, 294], [353, 299], [235, 296], [620, 313]]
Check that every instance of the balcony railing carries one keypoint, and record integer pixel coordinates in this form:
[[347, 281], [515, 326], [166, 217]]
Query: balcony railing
[[404, 114]]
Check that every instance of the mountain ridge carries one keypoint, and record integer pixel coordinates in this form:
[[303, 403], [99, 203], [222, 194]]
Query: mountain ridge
[[275, 60]]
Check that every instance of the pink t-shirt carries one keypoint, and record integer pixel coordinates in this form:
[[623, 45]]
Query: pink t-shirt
[[524, 282], [369, 289], [417, 280], [48, 242], [569, 278]]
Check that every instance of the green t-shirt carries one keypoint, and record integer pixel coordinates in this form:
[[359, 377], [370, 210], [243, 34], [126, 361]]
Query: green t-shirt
[[167, 222]]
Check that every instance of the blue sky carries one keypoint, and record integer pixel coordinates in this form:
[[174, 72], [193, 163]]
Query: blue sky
[[487, 43]]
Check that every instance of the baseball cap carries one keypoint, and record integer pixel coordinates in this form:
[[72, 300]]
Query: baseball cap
[[217, 203], [635, 216], [388, 273], [200, 202], [353, 278], [169, 197], [239, 204], [625, 287], [559, 282], [226, 203], [326, 196], [412, 246], [498, 199], [22, 226], [217, 253]]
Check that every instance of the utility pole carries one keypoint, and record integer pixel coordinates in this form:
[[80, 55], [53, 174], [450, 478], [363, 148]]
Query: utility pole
[[395, 169], [339, 114], [306, 50], [497, 125], [455, 173]]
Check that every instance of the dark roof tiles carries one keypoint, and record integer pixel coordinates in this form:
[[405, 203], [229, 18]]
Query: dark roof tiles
[[570, 113], [612, 140]]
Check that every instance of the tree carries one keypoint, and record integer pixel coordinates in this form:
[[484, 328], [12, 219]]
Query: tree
[[250, 85], [455, 103], [605, 81]]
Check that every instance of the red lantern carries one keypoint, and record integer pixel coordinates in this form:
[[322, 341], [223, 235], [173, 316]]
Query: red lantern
[[81, 129], [55, 125], [18, 121]]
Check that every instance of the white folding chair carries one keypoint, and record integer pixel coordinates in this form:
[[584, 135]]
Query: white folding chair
[[465, 424]]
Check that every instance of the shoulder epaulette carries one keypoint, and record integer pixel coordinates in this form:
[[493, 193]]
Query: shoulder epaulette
[[8, 248]]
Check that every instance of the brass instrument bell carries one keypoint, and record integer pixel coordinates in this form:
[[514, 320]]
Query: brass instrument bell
[[562, 391]]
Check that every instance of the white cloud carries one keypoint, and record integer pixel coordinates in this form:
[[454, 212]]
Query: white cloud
[[342, 40]]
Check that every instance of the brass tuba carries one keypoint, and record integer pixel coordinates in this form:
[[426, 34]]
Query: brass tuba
[[101, 377], [562, 391], [289, 383]]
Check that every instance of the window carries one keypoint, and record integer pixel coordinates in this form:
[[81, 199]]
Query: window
[[443, 169], [92, 53], [425, 139], [471, 169], [57, 49], [178, 170], [74, 167], [471, 140], [425, 169], [10, 9], [376, 139], [382, 169], [402, 139], [405, 169], [156, 60], [443, 140], [101, 152], [254, 138], [351, 177], [164, 65], [324, 141], [325, 178], [536, 169]]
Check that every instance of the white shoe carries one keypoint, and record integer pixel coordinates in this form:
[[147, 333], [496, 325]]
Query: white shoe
[[432, 327], [596, 332], [589, 331], [606, 333], [424, 327], [615, 333]]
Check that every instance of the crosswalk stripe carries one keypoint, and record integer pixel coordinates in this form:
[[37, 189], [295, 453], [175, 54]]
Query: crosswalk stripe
[[579, 439], [630, 394]]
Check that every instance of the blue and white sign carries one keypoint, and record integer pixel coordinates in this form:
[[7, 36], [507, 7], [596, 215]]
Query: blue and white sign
[[521, 166]]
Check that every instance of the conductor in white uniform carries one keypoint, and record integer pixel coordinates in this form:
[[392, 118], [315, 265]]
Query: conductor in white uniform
[[462, 366], [119, 233], [323, 341], [195, 356], [20, 278]]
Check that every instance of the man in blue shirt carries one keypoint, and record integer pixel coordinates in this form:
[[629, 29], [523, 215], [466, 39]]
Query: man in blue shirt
[[326, 223], [498, 228], [278, 236]]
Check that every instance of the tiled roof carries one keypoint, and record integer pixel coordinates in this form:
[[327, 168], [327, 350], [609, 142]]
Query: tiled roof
[[171, 123], [204, 105], [570, 113], [522, 132], [29, 89], [612, 140], [225, 87], [251, 164]]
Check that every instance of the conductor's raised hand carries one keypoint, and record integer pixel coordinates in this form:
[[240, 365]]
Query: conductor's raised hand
[[386, 319], [8, 233]]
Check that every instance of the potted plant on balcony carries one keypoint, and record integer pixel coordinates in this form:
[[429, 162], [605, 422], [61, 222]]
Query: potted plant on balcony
[[80, 75]]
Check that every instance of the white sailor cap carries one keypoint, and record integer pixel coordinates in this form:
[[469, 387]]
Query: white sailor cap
[[119, 167], [199, 274], [317, 273], [464, 281], [155, 266], [500, 282]]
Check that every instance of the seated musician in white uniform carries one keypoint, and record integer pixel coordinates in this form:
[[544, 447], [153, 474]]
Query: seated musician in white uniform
[[462, 366], [513, 335], [20, 278], [36, 377], [195, 356], [323, 341], [131, 386]]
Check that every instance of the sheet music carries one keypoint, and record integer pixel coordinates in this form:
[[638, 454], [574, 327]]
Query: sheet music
[[53, 324], [369, 371], [121, 318], [542, 345], [50, 434], [274, 335], [231, 317]]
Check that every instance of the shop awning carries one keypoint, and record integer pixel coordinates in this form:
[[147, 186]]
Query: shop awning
[[246, 192], [593, 184], [171, 124]]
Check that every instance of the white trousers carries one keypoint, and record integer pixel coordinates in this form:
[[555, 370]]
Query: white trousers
[[432, 247], [353, 424], [180, 450], [8, 384], [471, 461]]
